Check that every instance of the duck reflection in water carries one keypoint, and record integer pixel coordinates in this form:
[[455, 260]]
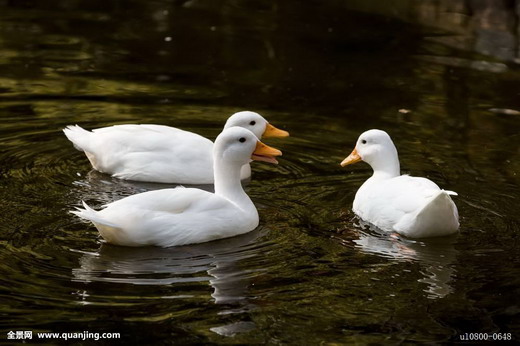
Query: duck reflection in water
[[436, 256], [217, 262]]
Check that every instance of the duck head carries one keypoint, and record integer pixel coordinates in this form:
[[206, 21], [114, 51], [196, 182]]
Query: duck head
[[376, 148], [238, 146], [255, 123]]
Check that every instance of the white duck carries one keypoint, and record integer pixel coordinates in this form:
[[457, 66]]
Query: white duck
[[158, 153], [180, 216], [414, 207]]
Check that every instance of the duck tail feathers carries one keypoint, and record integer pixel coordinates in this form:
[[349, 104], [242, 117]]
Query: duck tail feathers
[[78, 136], [438, 216], [90, 214]]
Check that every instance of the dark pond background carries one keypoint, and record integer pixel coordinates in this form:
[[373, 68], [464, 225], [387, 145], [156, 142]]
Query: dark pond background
[[442, 77]]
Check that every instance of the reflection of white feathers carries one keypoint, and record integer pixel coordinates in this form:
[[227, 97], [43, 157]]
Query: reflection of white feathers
[[412, 206], [157, 153], [436, 257], [180, 216], [218, 263]]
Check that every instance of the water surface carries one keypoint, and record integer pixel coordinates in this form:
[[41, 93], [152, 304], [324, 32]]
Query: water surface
[[312, 272]]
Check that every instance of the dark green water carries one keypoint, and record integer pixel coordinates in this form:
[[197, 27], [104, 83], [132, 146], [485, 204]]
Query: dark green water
[[312, 273]]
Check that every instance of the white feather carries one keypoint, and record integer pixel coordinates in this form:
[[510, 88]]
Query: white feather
[[413, 206], [156, 153], [180, 216]]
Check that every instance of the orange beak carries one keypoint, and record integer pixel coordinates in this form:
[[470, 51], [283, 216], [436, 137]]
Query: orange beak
[[271, 131], [265, 153], [352, 158]]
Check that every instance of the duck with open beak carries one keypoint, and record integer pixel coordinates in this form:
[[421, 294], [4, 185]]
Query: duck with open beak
[[265, 153]]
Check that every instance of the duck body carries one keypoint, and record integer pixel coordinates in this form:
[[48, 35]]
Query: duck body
[[412, 206], [172, 217], [180, 216], [158, 153], [153, 153]]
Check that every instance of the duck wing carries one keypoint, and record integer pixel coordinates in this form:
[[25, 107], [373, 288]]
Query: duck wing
[[416, 207], [175, 201], [387, 202]]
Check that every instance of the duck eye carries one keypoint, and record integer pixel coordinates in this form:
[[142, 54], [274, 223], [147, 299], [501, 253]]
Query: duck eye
[[252, 123], [364, 141], [242, 140]]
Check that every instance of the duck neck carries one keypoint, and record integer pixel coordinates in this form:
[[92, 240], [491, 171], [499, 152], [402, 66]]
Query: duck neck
[[227, 182], [387, 166]]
